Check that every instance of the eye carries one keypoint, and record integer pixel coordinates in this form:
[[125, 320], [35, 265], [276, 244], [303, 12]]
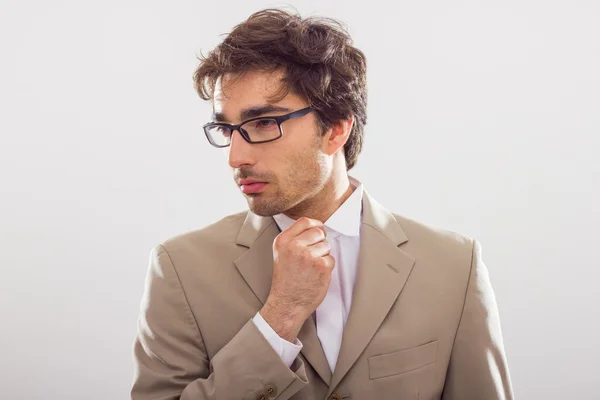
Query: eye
[[265, 123], [223, 130]]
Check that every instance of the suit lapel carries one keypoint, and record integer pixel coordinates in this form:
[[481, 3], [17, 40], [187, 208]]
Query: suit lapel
[[256, 264], [256, 267], [382, 272]]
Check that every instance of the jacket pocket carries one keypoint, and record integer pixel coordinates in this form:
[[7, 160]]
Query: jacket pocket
[[402, 361]]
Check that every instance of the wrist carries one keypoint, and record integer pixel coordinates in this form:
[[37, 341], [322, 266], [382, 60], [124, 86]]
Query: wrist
[[286, 323]]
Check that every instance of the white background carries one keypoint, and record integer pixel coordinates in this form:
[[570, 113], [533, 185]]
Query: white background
[[483, 118]]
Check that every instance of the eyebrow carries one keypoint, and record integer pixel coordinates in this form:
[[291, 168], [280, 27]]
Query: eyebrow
[[252, 112]]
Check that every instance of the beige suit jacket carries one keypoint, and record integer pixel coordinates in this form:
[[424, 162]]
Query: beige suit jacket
[[423, 324]]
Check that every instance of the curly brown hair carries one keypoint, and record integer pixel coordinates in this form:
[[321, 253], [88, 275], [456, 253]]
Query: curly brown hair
[[318, 57]]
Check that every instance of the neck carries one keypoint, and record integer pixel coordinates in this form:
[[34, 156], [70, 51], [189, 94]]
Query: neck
[[320, 207]]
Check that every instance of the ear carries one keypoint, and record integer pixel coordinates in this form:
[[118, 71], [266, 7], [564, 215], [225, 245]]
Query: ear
[[338, 134]]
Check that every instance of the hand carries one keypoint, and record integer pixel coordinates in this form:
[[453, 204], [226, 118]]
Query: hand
[[301, 276]]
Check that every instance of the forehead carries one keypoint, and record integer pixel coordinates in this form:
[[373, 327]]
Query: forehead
[[251, 85], [254, 89]]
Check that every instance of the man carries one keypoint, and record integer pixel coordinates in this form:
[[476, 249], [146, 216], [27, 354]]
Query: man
[[274, 303]]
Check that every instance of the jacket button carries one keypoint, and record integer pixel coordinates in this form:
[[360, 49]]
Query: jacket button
[[261, 397], [335, 396], [271, 390]]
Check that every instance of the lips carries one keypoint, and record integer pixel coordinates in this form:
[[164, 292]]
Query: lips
[[247, 181], [253, 187]]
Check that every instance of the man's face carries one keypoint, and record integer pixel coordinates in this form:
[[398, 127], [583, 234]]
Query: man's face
[[294, 166]]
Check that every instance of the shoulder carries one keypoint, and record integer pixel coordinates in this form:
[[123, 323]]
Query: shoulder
[[443, 246], [434, 235], [217, 235]]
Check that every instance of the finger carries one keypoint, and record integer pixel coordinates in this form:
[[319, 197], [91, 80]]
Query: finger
[[300, 225], [310, 237], [329, 261], [320, 249]]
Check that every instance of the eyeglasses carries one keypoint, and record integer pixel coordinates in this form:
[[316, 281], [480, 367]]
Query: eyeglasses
[[255, 130]]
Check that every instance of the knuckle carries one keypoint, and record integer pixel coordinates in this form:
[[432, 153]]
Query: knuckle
[[321, 262], [317, 233], [276, 242], [279, 240], [318, 230], [330, 261], [303, 220]]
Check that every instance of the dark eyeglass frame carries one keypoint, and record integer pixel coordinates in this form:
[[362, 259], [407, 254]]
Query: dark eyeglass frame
[[278, 118]]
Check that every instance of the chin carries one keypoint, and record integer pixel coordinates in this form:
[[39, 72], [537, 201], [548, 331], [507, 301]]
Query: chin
[[263, 208]]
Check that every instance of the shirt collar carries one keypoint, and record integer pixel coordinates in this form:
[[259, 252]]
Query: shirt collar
[[346, 220]]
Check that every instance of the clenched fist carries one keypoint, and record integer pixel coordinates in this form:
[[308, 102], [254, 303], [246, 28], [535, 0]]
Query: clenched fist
[[301, 275]]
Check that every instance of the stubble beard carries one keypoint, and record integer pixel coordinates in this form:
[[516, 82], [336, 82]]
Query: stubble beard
[[301, 182]]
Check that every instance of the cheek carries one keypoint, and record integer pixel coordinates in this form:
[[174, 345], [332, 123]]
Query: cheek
[[294, 155]]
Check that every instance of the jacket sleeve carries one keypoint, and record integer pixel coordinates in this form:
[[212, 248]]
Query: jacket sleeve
[[171, 361], [287, 351], [478, 368]]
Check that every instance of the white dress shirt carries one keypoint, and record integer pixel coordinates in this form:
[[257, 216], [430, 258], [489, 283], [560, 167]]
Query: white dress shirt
[[343, 236]]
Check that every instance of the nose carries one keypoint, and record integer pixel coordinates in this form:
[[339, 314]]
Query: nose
[[240, 152]]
